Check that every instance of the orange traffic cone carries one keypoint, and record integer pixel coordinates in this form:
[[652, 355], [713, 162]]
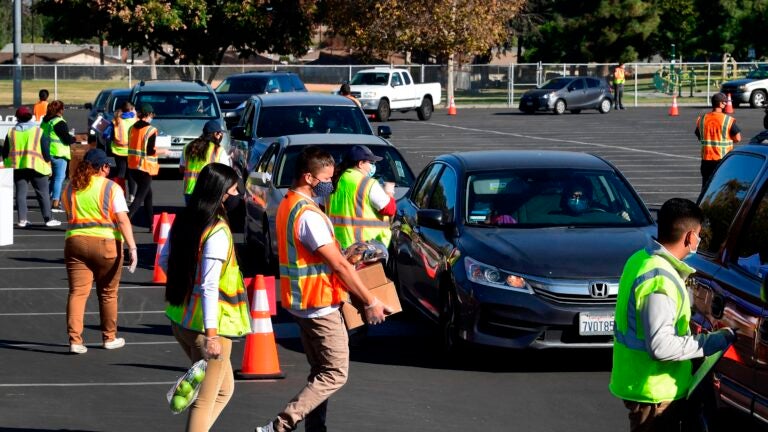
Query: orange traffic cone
[[673, 109], [158, 276], [452, 107], [729, 105], [260, 352]]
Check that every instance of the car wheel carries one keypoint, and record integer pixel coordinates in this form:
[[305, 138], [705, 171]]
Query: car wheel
[[605, 106], [575, 111], [559, 107], [382, 113], [757, 99], [425, 110], [449, 323]]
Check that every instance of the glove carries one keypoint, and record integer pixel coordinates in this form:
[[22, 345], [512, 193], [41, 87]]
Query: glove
[[134, 259], [718, 340]]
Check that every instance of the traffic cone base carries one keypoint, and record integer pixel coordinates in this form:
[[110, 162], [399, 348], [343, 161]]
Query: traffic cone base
[[452, 107], [673, 111], [260, 353]]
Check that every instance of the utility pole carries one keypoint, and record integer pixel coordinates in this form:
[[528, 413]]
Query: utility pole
[[17, 53]]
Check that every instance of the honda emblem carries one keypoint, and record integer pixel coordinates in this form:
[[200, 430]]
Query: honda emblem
[[598, 289]]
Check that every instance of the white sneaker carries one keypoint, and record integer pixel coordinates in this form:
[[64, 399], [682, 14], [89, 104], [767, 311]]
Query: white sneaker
[[57, 210], [52, 223], [267, 428], [22, 224], [114, 343], [78, 349]]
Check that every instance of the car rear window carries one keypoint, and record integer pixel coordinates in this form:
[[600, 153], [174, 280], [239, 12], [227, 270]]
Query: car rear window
[[551, 197], [180, 105], [303, 119], [248, 85], [555, 84], [392, 168]]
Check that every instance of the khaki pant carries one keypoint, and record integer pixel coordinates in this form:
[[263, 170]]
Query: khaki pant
[[88, 260], [219, 383], [659, 417], [326, 344]]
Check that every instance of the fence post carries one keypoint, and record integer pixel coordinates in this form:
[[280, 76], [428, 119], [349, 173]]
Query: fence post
[[510, 85], [634, 75], [349, 74], [202, 73], [538, 74], [130, 75], [422, 73], [709, 75], [55, 81]]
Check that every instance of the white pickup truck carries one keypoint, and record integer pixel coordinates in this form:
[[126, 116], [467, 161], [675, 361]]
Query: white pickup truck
[[383, 90]]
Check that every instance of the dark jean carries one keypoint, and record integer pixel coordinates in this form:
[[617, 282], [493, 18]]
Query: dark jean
[[40, 184]]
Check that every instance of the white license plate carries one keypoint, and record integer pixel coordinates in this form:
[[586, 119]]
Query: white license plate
[[173, 154], [596, 323]]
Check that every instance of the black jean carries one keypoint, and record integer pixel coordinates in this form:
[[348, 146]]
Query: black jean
[[707, 168], [40, 184], [143, 194], [618, 92]]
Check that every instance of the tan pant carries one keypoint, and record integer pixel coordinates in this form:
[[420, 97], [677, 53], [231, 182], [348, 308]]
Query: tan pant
[[326, 344], [658, 417], [218, 385], [88, 260]]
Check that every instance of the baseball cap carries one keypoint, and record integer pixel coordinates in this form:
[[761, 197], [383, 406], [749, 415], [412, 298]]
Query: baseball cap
[[147, 109], [361, 152], [97, 158], [23, 114], [212, 126], [718, 98]]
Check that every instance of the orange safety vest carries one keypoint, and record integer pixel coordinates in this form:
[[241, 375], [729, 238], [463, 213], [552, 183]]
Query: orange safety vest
[[39, 110], [715, 135], [618, 75], [90, 211], [306, 280], [138, 139]]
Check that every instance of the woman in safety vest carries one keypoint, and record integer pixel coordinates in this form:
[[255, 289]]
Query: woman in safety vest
[[55, 128], [93, 249], [117, 136], [200, 152], [142, 161], [26, 150], [206, 297]]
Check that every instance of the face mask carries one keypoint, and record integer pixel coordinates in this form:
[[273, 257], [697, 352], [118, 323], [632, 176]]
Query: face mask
[[231, 202], [577, 204], [372, 172], [692, 252], [322, 189]]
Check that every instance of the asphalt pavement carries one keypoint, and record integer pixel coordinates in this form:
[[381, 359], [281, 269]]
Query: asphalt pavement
[[399, 380]]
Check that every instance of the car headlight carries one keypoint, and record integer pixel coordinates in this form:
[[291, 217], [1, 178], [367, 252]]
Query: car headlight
[[485, 274], [743, 88], [547, 96], [368, 95]]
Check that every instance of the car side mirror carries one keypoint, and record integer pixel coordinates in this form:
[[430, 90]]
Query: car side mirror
[[384, 131], [88, 106], [238, 132], [261, 179], [430, 218]]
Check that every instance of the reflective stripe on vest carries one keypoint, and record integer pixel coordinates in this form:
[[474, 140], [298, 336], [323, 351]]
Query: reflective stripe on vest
[[714, 130], [138, 140], [353, 216], [306, 280], [89, 210], [120, 139], [26, 151], [233, 315], [58, 148], [193, 167]]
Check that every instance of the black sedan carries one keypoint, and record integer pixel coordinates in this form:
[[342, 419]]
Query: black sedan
[[570, 93], [518, 248]]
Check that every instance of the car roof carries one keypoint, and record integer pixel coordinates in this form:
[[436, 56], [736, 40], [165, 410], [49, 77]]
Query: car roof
[[120, 92], [760, 149], [303, 98], [173, 85], [488, 160], [260, 73], [333, 139]]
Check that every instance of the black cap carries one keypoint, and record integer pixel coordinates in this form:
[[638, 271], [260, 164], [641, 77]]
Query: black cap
[[212, 126], [97, 158], [718, 98], [362, 153], [147, 109]]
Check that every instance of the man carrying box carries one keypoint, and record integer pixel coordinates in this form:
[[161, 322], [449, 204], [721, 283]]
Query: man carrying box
[[315, 279]]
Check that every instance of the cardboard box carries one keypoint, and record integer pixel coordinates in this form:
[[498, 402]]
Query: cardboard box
[[374, 278], [77, 152]]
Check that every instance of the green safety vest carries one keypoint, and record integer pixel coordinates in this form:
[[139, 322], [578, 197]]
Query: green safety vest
[[90, 211], [234, 318], [353, 216], [120, 136], [635, 375], [193, 167], [26, 151], [58, 148]]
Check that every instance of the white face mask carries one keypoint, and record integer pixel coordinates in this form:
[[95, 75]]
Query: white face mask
[[692, 251]]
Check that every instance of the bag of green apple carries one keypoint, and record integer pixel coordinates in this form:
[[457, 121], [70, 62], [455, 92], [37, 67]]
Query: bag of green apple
[[185, 390]]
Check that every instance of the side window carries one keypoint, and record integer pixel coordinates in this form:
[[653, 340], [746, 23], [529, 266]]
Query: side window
[[752, 248], [725, 193], [593, 83], [268, 160], [444, 196], [396, 81], [424, 185], [297, 84], [250, 110], [578, 84], [407, 78]]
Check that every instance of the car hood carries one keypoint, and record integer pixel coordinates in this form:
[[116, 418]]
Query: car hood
[[538, 92], [556, 252], [739, 82], [181, 127]]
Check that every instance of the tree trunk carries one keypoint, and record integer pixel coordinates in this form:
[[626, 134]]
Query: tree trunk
[[152, 66]]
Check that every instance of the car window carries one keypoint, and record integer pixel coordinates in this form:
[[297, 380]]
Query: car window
[[243, 84], [273, 86], [555, 84], [396, 80], [392, 167], [101, 100], [724, 195], [250, 111], [179, 104], [752, 246], [296, 83], [267, 161], [407, 78], [115, 103], [578, 84], [443, 198], [552, 197], [593, 82], [370, 78], [420, 194], [303, 119]]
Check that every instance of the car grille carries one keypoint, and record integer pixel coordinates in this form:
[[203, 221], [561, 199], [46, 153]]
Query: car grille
[[497, 323], [729, 89], [573, 298], [356, 94]]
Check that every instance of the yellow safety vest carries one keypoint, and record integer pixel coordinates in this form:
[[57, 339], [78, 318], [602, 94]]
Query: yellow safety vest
[[26, 151], [618, 75], [90, 212], [193, 167], [353, 216], [233, 316], [137, 150], [58, 148], [120, 139]]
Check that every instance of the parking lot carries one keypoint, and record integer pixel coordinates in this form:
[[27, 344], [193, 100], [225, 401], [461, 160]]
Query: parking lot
[[398, 379]]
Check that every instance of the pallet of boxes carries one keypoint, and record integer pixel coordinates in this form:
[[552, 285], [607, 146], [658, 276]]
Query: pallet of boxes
[[366, 258], [78, 149]]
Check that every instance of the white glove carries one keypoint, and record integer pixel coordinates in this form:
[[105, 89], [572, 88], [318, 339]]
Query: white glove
[[134, 260]]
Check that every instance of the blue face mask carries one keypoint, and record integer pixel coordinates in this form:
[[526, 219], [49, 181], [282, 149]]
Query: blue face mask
[[372, 172], [322, 189], [578, 204]]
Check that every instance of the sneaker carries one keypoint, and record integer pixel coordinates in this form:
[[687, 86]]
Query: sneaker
[[114, 343], [52, 223], [78, 349], [22, 224], [57, 210], [267, 428], [130, 198]]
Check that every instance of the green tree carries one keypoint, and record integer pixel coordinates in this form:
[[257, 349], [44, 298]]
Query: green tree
[[679, 23]]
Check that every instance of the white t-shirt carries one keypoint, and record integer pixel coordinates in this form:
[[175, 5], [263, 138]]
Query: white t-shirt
[[223, 158], [379, 198], [118, 201]]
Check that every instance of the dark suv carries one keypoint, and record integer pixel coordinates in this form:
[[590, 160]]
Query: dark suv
[[729, 285], [235, 90]]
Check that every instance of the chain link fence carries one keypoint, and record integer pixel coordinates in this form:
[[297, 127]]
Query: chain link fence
[[476, 85]]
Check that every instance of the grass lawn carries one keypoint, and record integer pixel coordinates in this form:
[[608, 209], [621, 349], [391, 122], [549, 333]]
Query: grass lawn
[[74, 92]]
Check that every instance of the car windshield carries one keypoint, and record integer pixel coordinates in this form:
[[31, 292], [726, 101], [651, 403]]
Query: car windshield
[[240, 85], [392, 167], [555, 84], [303, 119], [370, 78], [179, 105], [759, 73], [551, 197]]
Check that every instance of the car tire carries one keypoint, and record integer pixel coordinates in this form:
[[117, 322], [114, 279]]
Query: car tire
[[559, 107], [425, 110], [575, 111], [383, 111], [757, 98], [605, 106]]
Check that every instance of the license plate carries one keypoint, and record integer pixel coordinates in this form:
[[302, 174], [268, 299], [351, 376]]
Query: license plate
[[596, 323], [173, 154]]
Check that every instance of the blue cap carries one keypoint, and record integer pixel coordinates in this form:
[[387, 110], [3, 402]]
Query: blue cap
[[362, 153], [97, 158], [212, 126]]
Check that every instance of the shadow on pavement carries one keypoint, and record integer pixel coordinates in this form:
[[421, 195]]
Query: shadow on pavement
[[20, 346], [147, 329]]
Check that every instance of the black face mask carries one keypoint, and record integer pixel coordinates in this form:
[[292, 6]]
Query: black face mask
[[232, 202]]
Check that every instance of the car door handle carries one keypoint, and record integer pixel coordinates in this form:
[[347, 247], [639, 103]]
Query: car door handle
[[718, 306]]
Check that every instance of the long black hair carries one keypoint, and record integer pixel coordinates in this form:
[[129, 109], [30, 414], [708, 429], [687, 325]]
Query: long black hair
[[204, 210], [197, 148]]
